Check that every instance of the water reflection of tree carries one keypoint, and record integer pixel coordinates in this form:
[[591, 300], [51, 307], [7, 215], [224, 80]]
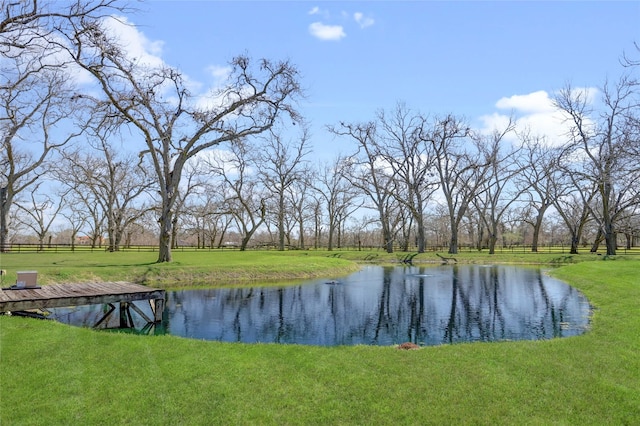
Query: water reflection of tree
[[549, 309], [388, 305], [333, 309], [475, 318], [496, 322], [417, 309], [451, 326], [554, 315], [384, 317]]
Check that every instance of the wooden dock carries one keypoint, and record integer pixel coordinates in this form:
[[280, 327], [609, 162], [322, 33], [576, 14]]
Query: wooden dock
[[67, 295]]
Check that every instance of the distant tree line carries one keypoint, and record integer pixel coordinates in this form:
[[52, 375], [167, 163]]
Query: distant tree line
[[138, 155]]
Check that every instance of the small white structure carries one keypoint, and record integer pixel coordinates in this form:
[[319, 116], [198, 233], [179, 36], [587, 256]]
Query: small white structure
[[27, 279]]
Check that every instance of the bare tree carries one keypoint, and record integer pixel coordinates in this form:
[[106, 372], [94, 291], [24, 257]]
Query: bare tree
[[77, 219], [366, 171], [338, 196], [33, 106], [40, 213], [628, 60], [316, 208], [114, 180], [497, 189], [629, 225], [281, 165], [403, 219], [459, 166], [244, 197], [539, 170], [192, 184], [411, 161], [604, 149], [199, 219], [35, 89], [574, 208], [199, 207], [301, 204], [174, 124], [26, 25], [213, 216], [86, 202]]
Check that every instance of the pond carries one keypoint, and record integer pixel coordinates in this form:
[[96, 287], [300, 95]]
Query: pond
[[378, 306]]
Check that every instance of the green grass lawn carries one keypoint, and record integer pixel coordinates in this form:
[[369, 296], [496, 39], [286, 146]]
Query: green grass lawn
[[51, 373], [194, 268], [215, 268]]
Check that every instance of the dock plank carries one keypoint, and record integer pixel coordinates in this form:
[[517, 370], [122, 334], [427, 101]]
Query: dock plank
[[64, 295]]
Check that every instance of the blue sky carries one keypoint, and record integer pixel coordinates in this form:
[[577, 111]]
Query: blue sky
[[481, 60]]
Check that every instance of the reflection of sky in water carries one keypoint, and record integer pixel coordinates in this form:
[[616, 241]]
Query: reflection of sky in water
[[382, 306]]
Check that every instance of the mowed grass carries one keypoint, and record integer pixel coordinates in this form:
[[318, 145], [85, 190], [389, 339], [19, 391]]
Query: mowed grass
[[192, 268], [56, 374], [230, 267], [553, 257]]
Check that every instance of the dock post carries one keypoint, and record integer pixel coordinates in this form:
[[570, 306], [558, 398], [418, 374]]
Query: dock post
[[157, 307], [124, 312]]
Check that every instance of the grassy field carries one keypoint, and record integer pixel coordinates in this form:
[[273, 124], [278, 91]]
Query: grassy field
[[188, 269], [56, 374], [215, 268]]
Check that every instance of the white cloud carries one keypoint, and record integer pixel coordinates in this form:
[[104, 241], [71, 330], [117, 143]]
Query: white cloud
[[219, 74], [138, 46], [35, 52], [134, 43], [148, 53], [327, 32], [531, 103], [207, 96], [314, 11], [550, 126], [535, 114], [362, 20]]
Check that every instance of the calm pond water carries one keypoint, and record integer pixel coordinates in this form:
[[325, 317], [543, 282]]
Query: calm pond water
[[378, 306]]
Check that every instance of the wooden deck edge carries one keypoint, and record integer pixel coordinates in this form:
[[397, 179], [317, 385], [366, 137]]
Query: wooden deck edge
[[79, 300]]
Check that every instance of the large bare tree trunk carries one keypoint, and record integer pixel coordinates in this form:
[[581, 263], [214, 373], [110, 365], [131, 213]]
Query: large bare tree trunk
[[537, 226], [453, 241], [493, 236], [4, 220], [611, 240], [281, 227], [164, 249]]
